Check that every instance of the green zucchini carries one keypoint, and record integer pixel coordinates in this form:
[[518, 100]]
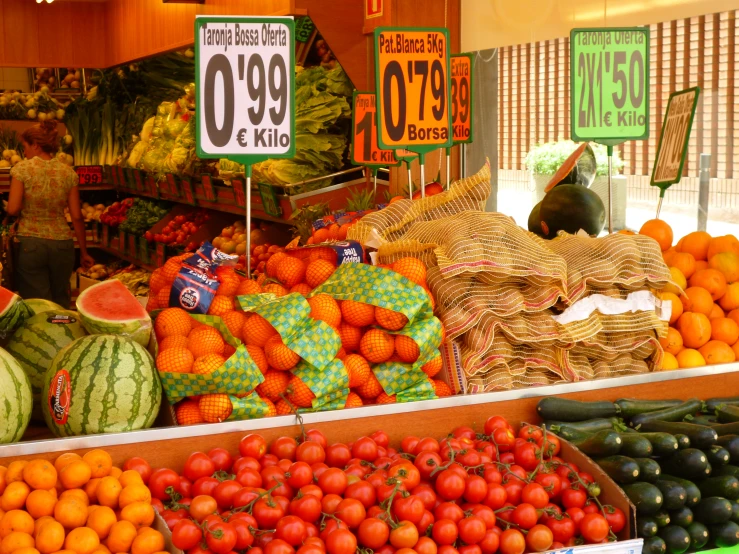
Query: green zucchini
[[569, 433], [725, 486], [723, 429], [682, 517], [728, 414], [673, 413], [677, 539], [698, 535], [646, 526], [699, 435], [563, 409], [735, 512], [692, 491], [727, 470], [630, 407], [646, 497], [635, 445], [683, 441], [713, 403], [662, 518], [731, 444], [690, 463], [649, 470], [663, 444], [587, 426], [673, 494], [621, 469], [602, 443], [701, 419], [713, 510], [654, 545], [725, 535], [717, 455]]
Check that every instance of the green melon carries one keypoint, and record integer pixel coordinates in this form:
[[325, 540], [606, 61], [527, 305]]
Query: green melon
[[16, 400], [13, 312], [104, 384], [571, 208], [39, 305], [110, 308]]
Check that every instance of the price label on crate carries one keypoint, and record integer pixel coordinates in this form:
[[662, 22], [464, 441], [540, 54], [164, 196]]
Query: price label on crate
[[89, 174], [673, 142], [365, 148], [187, 191], [245, 81], [160, 255], [238, 186], [609, 78], [137, 180], [208, 190], [461, 98], [412, 85]]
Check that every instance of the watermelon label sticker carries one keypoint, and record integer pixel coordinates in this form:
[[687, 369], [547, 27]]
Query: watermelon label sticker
[[60, 397], [61, 319]]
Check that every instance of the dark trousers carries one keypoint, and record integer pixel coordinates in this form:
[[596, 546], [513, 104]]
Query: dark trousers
[[43, 268]]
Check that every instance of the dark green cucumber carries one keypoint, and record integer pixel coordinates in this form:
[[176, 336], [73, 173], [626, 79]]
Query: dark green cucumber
[[673, 413], [646, 497], [713, 510], [649, 470], [663, 444], [735, 512], [635, 445], [677, 539], [662, 518], [673, 494], [727, 414], [569, 433], [692, 491], [563, 409], [646, 526], [701, 419], [713, 403], [683, 441], [654, 545], [699, 435], [724, 535], [727, 470], [602, 443], [690, 463], [717, 455], [725, 486], [631, 407], [587, 426], [621, 469], [682, 517], [698, 535], [731, 444], [723, 429]]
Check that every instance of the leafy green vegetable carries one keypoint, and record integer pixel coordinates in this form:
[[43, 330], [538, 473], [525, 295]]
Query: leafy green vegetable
[[143, 215]]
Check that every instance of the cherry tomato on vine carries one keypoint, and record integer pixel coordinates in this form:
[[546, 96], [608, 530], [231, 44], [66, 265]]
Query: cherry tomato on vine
[[244, 537], [539, 538], [307, 507], [562, 529], [140, 466], [198, 465], [512, 541], [525, 516], [292, 530], [551, 482], [161, 480], [534, 494], [284, 448], [202, 506], [221, 459], [341, 541], [616, 518], [574, 498], [186, 534], [449, 485], [471, 529], [220, 537], [475, 489], [405, 535], [594, 528], [373, 533], [529, 432], [495, 422]]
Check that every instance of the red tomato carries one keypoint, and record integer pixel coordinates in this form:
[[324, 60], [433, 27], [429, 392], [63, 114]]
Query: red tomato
[[551, 482], [362, 491], [205, 485], [316, 436], [471, 529], [408, 444], [534, 494], [406, 473], [246, 462], [616, 518], [444, 531], [449, 485], [475, 489], [427, 520], [469, 549], [300, 474], [220, 537], [527, 455], [594, 528], [162, 483], [410, 508], [504, 439], [249, 477], [198, 465], [140, 466], [512, 541], [253, 446], [495, 422], [224, 493], [351, 512], [539, 538], [448, 510], [562, 529], [330, 502], [244, 538], [365, 449], [490, 543], [284, 448], [513, 491], [277, 546], [291, 529], [221, 459], [332, 481], [576, 514], [202, 506], [310, 452], [491, 474], [486, 514], [426, 545], [186, 534], [373, 533], [530, 432], [380, 438], [427, 444], [267, 512], [427, 495], [464, 433], [405, 535], [341, 541], [307, 507], [591, 507], [496, 497], [549, 444], [574, 498], [525, 516]]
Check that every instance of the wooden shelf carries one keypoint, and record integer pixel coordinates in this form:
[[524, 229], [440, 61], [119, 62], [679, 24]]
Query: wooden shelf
[[126, 257]]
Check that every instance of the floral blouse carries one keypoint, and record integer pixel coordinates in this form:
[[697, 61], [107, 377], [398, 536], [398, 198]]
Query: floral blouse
[[46, 186]]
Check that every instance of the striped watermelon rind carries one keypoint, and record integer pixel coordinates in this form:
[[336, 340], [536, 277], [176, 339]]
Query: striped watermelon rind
[[40, 305], [114, 386], [16, 400], [16, 311], [102, 306]]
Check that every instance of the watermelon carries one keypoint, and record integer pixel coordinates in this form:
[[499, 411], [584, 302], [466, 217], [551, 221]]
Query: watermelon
[[101, 384], [13, 312], [39, 305], [35, 344], [15, 399], [110, 308]]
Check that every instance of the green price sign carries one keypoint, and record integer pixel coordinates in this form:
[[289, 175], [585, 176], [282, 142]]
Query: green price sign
[[609, 84]]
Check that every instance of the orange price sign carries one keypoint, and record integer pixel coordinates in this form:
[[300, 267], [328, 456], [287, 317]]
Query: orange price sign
[[365, 148], [412, 84], [461, 93]]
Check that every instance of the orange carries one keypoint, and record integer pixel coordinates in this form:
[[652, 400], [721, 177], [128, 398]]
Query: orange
[[157, 280], [187, 412], [290, 271], [248, 286], [121, 536], [697, 299], [214, 408], [26, 550], [695, 329], [271, 408], [717, 352], [141, 514], [258, 357], [725, 330], [276, 289], [101, 519], [115, 472], [730, 300], [341, 353], [229, 283], [673, 342], [353, 400], [385, 398], [15, 471], [700, 265], [441, 388], [406, 349], [274, 384], [358, 370], [172, 322], [15, 541], [71, 513], [321, 235], [207, 364], [148, 543], [108, 491], [659, 231], [40, 503], [377, 346], [40, 474], [221, 305], [371, 388], [390, 320], [358, 314], [175, 360], [696, 243], [99, 461], [668, 254], [102, 549], [679, 283], [669, 362], [685, 262], [728, 264], [734, 314], [325, 308], [175, 341], [299, 394], [318, 271], [433, 366], [710, 279], [205, 340], [163, 296], [170, 270], [350, 336], [50, 537], [727, 243], [39, 523], [257, 331], [234, 320], [76, 494], [135, 492], [3, 471], [716, 312], [16, 520], [412, 269], [301, 288], [82, 540], [273, 263], [14, 496], [735, 348], [283, 408]]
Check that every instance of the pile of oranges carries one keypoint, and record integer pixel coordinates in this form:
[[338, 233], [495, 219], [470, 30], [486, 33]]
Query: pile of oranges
[[704, 324], [75, 505]]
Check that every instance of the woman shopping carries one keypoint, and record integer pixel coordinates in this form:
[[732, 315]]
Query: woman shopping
[[40, 188]]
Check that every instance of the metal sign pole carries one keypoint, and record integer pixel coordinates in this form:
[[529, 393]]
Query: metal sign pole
[[610, 189], [422, 162], [410, 181], [448, 166], [248, 220]]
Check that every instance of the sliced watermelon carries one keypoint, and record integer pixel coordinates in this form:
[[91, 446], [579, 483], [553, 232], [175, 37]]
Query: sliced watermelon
[[109, 308], [13, 312]]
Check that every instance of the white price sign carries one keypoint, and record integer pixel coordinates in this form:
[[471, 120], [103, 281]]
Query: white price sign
[[245, 87]]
